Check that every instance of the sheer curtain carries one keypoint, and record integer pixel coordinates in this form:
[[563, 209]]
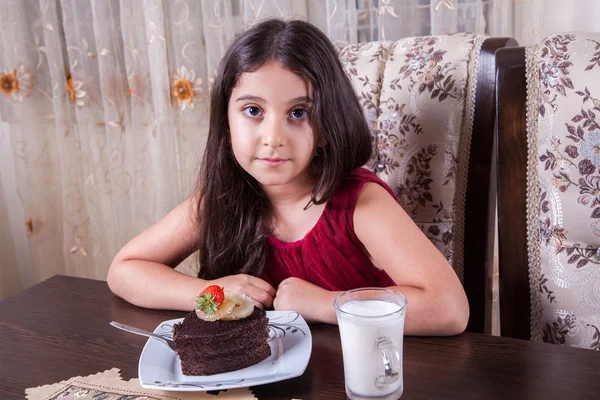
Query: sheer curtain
[[103, 109]]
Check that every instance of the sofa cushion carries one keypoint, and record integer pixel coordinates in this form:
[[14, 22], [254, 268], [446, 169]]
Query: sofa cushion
[[418, 95], [563, 188]]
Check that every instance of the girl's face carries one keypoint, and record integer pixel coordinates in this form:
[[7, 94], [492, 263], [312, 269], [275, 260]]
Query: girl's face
[[271, 136]]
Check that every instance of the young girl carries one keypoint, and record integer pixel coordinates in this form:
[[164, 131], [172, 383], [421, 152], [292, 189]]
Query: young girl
[[283, 211]]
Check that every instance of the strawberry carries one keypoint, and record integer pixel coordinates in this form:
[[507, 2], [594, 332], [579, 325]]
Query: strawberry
[[210, 299]]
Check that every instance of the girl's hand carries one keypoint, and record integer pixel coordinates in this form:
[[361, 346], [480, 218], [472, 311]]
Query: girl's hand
[[257, 289], [314, 303]]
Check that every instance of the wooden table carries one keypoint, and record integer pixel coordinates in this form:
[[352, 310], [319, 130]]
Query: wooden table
[[59, 329]]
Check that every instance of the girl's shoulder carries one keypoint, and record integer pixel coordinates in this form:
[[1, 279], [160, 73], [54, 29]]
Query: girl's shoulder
[[362, 173], [356, 185], [355, 181]]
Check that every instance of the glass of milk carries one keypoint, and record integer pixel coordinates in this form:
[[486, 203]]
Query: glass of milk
[[371, 322]]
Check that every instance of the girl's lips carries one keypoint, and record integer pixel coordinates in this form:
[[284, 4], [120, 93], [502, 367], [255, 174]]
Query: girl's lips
[[273, 162]]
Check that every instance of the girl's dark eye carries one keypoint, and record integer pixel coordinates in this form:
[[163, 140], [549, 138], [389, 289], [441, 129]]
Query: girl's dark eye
[[252, 111], [299, 113]]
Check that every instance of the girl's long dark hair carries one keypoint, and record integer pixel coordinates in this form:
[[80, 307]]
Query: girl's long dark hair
[[233, 212]]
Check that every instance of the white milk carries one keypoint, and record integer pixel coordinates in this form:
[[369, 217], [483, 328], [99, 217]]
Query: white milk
[[362, 360]]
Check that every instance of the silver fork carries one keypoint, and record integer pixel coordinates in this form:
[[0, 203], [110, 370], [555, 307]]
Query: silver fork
[[142, 332]]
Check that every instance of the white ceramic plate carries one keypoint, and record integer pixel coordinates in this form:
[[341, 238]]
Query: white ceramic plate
[[291, 345]]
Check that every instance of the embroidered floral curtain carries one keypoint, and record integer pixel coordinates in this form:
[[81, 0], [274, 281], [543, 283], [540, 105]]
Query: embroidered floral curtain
[[103, 108]]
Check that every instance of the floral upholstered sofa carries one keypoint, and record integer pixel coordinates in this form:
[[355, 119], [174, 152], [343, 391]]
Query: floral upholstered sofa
[[561, 193], [420, 96]]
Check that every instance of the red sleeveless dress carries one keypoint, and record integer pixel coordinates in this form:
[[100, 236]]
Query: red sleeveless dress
[[330, 255]]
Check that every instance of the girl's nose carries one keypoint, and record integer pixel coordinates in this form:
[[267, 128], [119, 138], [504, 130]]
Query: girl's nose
[[273, 132]]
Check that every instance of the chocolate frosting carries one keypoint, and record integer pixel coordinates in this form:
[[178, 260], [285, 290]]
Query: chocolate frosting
[[207, 348]]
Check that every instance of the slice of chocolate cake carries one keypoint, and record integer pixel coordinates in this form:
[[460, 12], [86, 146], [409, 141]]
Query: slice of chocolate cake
[[213, 347]]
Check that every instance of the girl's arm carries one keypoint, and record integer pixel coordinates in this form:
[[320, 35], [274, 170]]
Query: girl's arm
[[437, 303], [143, 271]]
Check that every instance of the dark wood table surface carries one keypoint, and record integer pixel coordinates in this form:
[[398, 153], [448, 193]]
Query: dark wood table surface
[[60, 328]]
